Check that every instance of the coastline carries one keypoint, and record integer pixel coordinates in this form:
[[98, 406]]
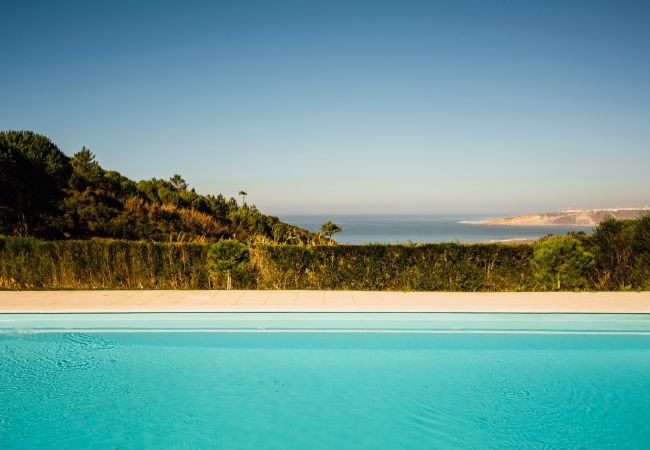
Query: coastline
[[514, 241], [361, 229], [569, 218]]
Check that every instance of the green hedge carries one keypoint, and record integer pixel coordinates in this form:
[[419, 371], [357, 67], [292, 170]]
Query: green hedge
[[101, 264], [431, 267], [615, 257], [104, 264]]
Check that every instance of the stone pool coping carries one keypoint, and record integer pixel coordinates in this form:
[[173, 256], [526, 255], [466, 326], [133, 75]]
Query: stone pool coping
[[320, 301]]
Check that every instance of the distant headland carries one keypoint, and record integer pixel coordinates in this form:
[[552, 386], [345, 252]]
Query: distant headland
[[577, 217]]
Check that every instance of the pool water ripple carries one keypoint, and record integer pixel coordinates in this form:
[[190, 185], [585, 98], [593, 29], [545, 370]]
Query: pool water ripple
[[323, 391]]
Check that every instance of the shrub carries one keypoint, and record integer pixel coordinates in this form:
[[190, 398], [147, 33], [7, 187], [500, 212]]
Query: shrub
[[561, 262], [228, 256], [622, 251], [641, 250]]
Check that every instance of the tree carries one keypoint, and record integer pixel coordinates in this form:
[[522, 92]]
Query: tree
[[225, 256], [243, 195], [561, 262], [33, 174], [91, 206], [329, 228], [44, 193], [178, 183]]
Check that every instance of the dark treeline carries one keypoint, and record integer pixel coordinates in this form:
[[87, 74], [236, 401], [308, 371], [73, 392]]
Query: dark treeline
[[615, 257], [46, 194]]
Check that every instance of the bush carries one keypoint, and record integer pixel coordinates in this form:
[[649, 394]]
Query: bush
[[641, 250], [227, 257], [561, 262], [622, 251]]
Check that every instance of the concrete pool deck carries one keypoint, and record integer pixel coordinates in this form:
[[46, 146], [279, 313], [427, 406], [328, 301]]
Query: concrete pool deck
[[321, 301]]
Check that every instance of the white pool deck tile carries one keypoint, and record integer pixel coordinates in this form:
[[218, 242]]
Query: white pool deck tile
[[281, 300], [321, 301]]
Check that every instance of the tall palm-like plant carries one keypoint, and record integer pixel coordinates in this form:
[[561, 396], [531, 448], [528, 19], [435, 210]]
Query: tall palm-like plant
[[329, 228], [243, 195]]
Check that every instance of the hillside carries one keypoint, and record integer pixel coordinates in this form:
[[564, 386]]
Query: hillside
[[580, 217], [44, 193]]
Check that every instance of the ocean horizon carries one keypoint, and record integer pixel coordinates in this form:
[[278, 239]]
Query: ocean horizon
[[422, 228]]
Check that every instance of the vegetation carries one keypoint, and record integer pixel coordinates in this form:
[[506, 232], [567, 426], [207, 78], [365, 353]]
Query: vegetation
[[27, 263], [622, 254], [33, 177], [428, 267], [329, 229], [227, 256], [243, 195], [561, 262], [616, 257], [69, 224], [46, 194]]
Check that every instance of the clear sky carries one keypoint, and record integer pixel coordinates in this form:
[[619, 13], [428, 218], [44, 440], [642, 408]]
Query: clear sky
[[350, 106]]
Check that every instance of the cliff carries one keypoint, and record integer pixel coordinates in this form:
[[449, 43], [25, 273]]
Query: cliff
[[580, 217]]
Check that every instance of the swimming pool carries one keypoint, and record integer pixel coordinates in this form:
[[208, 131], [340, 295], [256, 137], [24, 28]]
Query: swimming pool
[[354, 381]]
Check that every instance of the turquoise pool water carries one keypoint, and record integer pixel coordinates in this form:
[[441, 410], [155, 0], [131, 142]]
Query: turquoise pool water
[[323, 390]]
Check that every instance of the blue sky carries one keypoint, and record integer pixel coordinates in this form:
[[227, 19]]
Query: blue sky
[[335, 107]]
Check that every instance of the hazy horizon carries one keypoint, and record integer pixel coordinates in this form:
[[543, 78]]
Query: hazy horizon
[[412, 107]]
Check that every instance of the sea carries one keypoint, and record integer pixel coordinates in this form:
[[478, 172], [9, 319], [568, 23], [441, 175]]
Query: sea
[[402, 229]]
